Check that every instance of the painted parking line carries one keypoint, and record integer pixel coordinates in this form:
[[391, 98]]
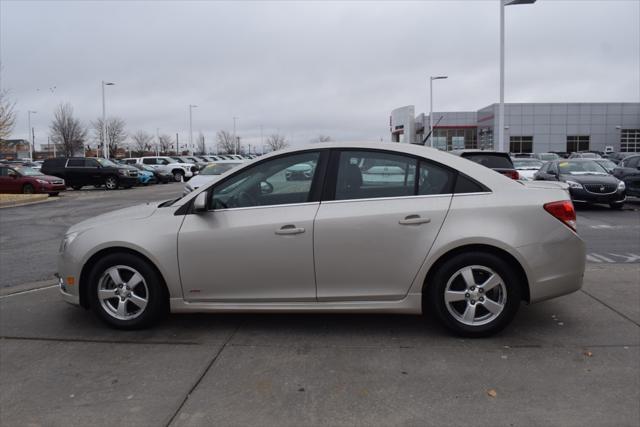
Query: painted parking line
[[613, 258]]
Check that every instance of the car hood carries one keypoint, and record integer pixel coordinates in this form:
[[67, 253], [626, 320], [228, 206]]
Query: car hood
[[49, 178], [590, 179], [132, 213]]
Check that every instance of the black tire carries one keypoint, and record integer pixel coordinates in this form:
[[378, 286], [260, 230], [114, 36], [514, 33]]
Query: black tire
[[111, 183], [77, 187], [154, 291], [484, 265], [178, 175], [616, 206], [53, 194], [28, 189]]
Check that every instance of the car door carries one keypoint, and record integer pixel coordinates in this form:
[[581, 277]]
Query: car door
[[255, 242], [377, 223], [8, 180], [93, 173], [74, 172], [631, 174]]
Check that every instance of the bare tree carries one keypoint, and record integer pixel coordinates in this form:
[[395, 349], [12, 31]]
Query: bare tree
[[165, 142], [225, 142], [201, 147], [141, 141], [321, 138], [116, 134], [67, 131], [276, 142], [7, 115]]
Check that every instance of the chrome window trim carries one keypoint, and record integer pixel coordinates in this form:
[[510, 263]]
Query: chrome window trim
[[264, 207], [370, 199], [479, 193]]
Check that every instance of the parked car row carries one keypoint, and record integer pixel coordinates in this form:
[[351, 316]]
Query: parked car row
[[18, 179]]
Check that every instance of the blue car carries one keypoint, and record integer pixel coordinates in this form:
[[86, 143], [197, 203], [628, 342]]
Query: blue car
[[145, 177]]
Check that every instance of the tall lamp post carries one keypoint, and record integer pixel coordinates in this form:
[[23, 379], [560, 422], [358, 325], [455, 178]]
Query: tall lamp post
[[105, 143], [235, 140], [504, 3], [30, 137], [191, 107], [431, 79]]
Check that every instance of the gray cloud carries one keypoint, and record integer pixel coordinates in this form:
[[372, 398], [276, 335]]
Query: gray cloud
[[305, 68]]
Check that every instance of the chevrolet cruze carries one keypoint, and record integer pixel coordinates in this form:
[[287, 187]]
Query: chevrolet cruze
[[378, 228]]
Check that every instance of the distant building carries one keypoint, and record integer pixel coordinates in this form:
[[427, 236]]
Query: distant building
[[531, 127], [14, 149]]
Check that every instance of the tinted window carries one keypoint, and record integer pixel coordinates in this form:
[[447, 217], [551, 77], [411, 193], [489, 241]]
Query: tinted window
[[490, 160], [91, 163], [75, 163], [283, 180], [631, 162], [434, 179], [149, 161], [464, 184], [372, 174], [4, 171]]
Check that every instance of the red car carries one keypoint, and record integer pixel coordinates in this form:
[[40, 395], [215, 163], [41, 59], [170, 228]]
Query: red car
[[20, 179]]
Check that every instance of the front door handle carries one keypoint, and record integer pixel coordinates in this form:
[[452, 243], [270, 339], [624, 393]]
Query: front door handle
[[289, 229], [414, 220]]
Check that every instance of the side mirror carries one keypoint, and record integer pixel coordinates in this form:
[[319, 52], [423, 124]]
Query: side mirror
[[14, 176], [200, 203], [266, 187]]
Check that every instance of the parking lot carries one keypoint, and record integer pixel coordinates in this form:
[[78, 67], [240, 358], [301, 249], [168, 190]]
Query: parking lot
[[568, 361]]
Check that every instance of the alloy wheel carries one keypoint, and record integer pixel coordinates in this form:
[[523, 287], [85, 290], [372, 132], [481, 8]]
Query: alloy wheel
[[475, 295], [111, 183], [123, 292]]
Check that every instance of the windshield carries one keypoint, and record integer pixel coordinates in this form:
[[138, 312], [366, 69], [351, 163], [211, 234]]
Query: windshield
[[218, 168], [588, 167], [24, 171], [106, 163], [490, 160], [527, 164], [548, 156], [607, 164]]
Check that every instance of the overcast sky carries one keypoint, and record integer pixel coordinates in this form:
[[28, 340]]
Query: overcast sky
[[304, 68]]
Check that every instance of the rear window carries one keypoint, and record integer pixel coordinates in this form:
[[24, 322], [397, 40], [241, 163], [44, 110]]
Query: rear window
[[490, 160]]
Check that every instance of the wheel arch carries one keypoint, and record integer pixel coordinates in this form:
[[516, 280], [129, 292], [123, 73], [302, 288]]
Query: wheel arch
[[91, 262], [470, 248]]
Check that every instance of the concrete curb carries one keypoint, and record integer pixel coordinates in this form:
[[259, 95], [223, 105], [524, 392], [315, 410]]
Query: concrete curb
[[24, 287], [36, 198]]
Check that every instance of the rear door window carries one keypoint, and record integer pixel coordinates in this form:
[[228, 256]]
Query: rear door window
[[75, 163]]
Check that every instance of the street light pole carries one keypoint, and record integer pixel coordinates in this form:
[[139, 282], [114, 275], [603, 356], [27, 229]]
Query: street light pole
[[235, 141], [431, 79], [504, 3], [105, 144], [30, 134], [191, 107]]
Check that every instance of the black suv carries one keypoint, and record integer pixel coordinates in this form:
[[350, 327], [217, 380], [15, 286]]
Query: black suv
[[80, 171]]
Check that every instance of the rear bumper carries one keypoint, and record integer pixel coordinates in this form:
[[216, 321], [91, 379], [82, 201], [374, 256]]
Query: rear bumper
[[555, 265]]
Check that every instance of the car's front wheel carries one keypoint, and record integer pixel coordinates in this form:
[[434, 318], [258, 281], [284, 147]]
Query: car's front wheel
[[178, 176], [616, 205], [28, 189], [474, 294], [126, 292], [111, 183]]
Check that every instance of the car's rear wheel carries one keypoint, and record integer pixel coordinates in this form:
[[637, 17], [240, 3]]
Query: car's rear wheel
[[111, 183], [474, 294], [54, 194], [126, 292], [28, 189]]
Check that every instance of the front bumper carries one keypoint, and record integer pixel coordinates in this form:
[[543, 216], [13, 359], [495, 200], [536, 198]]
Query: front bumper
[[65, 292], [53, 188], [581, 195], [127, 181]]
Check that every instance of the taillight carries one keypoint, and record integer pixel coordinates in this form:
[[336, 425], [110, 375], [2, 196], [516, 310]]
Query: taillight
[[563, 211], [512, 174]]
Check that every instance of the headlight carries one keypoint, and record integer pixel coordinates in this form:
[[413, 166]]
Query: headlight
[[573, 184], [42, 181], [122, 171], [66, 241], [187, 168], [621, 186]]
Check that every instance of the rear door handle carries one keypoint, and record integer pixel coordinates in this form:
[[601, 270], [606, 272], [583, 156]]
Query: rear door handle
[[289, 229], [414, 220]]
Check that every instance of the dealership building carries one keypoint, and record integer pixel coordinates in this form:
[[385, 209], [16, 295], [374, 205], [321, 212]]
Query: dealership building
[[529, 128]]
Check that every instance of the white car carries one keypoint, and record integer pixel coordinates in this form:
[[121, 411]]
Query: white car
[[180, 171], [209, 174], [453, 239], [527, 167]]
